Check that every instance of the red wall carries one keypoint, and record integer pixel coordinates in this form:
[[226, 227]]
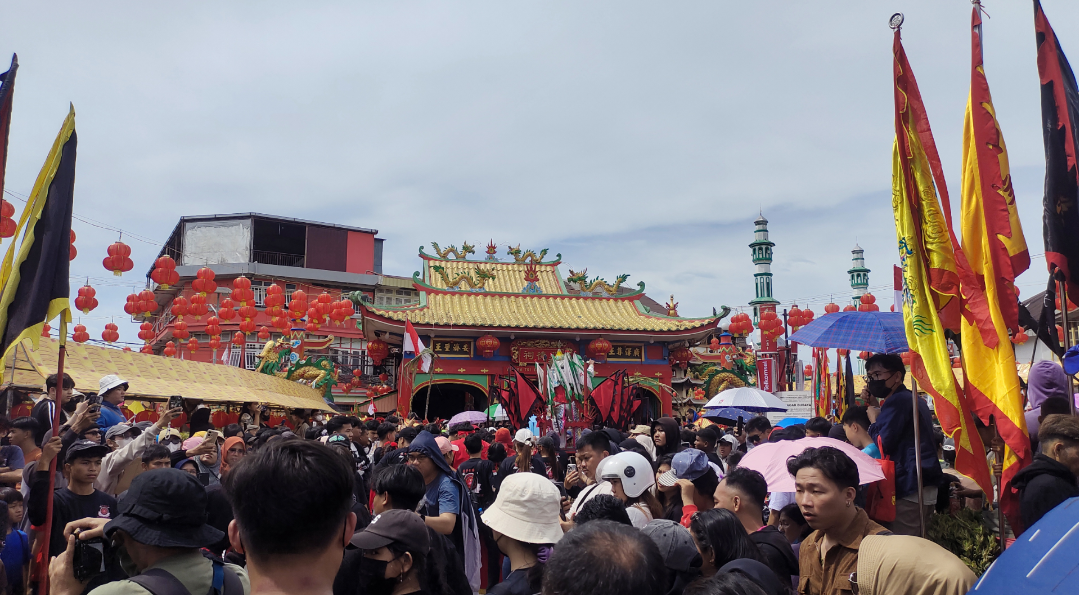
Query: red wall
[[360, 253]]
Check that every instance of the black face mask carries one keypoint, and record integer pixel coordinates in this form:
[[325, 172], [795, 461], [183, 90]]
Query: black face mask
[[878, 388], [373, 575]]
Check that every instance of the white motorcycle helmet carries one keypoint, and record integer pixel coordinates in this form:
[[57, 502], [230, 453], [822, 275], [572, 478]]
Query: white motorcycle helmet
[[631, 469]]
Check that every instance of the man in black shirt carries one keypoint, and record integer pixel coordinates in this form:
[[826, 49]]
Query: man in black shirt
[[79, 499], [742, 492], [476, 473], [45, 409]]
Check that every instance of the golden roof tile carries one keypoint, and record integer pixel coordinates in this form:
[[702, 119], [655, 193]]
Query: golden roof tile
[[536, 311], [509, 276]]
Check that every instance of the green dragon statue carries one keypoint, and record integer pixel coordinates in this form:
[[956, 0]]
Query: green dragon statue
[[466, 249], [717, 379], [475, 284], [317, 371], [583, 284], [530, 257]]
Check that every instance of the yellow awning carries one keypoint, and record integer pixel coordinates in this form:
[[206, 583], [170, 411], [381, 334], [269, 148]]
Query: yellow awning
[[154, 377]]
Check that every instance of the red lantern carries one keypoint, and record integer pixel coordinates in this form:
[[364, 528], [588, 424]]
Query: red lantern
[[849, 308], [86, 301], [241, 290], [204, 281], [117, 261], [164, 273], [713, 345], [193, 345], [147, 349], [831, 308], [7, 224], [868, 303], [297, 307], [170, 349], [179, 330], [865, 355], [247, 326], [80, 335], [280, 322], [377, 350], [1020, 337], [198, 306], [238, 339], [110, 334], [487, 345], [264, 333], [179, 307], [127, 349], [146, 331], [808, 371], [132, 305], [312, 326], [598, 349], [794, 317], [72, 252], [807, 316], [681, 356], [213, 326], [215, 343], [324, 304], [45, 329], [845, 352], [147, 302], [957, 363], [225, 311]]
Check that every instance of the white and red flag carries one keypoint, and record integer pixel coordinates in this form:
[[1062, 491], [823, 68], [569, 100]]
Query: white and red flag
[[413, 344]]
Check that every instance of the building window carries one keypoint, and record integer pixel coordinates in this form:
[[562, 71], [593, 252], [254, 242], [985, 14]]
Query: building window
[[386, 296]]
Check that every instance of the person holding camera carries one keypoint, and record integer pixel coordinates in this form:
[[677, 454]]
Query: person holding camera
[[126, 449], [158, 543]]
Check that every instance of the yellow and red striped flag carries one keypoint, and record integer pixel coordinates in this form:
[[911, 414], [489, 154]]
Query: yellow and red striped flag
[[930, 279], [996, 252]]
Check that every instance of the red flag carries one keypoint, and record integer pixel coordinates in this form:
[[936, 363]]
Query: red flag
[[603, 395], [526, 396]]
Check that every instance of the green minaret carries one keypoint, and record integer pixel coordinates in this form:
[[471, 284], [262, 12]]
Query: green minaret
[[859, 275], [762, 278]]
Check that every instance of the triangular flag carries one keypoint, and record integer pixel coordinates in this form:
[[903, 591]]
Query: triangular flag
[[413, 344]]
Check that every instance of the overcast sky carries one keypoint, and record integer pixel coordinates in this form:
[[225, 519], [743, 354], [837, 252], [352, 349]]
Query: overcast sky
[[632, 137]]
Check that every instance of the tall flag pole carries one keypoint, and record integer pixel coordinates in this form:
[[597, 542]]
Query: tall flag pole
[[929, 278], [7, 90], [996, 251], [1060, 216], [35, 284]]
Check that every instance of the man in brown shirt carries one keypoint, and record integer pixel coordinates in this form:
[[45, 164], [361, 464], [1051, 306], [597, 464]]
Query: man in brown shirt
[[825, 482]]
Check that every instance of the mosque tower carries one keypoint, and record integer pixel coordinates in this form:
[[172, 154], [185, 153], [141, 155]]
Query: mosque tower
[[859, 275], [762, 278]]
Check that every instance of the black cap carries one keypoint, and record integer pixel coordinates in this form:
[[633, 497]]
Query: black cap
[[86, 449], [394, 526], [165, 508]]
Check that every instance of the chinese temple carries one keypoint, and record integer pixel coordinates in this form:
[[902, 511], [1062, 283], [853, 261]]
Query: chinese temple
[[485, 319]]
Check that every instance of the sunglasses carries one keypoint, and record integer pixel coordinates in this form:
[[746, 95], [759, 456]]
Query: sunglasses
[[416, 457]]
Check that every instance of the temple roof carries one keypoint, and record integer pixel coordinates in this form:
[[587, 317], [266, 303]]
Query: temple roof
[[526, 292]]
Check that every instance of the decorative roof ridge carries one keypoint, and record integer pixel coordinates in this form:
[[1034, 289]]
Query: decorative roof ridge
[[364, 301], [557, 258], [723, 313], [425, 287]]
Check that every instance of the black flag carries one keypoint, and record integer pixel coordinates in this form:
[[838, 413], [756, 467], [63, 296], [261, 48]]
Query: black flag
[[35, 285], [1060, 114], [7, 90]]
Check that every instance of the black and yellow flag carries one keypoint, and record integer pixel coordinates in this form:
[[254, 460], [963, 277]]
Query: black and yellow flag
[[35, 284]]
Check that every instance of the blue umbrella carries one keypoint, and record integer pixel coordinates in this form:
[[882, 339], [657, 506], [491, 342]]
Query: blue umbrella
[[877, 332], [726, 415], [791, 421], [1042, 559]]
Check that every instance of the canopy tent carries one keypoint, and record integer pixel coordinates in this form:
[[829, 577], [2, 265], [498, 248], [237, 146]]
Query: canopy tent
[[154, 377]]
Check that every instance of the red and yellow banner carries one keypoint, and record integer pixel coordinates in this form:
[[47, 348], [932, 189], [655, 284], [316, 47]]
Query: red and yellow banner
[[930, 279]]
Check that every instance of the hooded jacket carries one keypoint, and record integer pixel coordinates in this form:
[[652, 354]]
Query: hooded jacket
[[674, 436], [1046, 379], [465, 534], [1043, 485]]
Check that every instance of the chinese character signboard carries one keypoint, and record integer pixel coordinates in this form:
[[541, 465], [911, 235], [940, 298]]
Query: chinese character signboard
[[625, 352], [528, 351], [766, 374], [452, 347]]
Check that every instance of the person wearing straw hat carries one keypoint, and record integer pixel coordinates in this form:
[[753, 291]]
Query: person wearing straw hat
[[524, 521]]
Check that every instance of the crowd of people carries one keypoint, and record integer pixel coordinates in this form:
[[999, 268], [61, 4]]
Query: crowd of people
[[333, 503]]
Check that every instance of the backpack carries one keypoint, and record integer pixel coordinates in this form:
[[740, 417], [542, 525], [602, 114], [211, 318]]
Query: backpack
[[160, 582]]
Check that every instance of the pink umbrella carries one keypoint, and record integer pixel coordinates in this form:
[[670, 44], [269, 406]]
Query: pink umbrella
[[770, 459]]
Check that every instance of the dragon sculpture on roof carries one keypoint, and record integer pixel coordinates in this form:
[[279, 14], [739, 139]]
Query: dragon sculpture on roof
[[588, 287], [521, 257], [474, 284], [466, 249]]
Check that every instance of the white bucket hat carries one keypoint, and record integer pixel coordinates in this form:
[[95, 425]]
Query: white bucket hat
[[526, 509], [108, 383]]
